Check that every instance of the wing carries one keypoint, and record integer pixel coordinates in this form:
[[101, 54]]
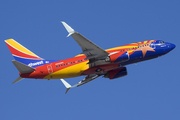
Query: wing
[[84, 81], [91, 50]]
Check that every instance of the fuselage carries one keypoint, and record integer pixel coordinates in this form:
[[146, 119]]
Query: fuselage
[[118, 57]]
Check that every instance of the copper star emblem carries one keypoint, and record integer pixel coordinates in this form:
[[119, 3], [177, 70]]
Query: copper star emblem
[[144, 47]]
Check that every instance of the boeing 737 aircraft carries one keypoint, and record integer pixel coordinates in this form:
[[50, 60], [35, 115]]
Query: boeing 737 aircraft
[[93, 62]]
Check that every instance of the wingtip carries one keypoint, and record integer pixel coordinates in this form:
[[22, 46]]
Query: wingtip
[[68, 28], [66, 84], [67, 90], [62, 22]]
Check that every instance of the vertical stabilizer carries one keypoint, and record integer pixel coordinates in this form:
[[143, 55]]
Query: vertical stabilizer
[[22, 54]]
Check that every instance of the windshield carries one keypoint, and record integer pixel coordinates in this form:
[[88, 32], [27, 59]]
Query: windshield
[[161, 42]]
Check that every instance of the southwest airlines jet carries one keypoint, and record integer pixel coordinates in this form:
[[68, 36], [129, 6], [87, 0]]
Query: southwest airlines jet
[[93, 62]]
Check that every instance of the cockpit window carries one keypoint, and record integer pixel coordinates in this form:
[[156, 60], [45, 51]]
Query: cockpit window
[[161, 42]]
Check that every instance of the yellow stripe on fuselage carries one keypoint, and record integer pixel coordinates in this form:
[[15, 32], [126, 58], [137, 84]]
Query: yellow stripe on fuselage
[[72, 71], [121, 47], [79, 55], [20, 47], [145, 42]]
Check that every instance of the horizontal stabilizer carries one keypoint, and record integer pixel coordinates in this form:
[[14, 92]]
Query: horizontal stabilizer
[[18, 79], [22, 68]]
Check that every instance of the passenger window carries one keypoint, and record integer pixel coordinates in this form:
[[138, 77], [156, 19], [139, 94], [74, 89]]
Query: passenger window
[[59, 65], [66, 64]]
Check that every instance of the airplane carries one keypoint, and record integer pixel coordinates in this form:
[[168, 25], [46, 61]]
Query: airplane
[[93, 62]]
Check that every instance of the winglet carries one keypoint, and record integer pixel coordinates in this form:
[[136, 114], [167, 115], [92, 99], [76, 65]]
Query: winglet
[[68, 28], [66, 84]]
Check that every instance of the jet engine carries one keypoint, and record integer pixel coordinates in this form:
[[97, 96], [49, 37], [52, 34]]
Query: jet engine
[[116, 73]]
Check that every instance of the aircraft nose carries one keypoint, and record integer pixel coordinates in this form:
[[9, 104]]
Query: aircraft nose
[[172, 46]]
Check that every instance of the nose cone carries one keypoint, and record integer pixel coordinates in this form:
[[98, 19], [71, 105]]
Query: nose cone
[[172, 46], [164, 48]]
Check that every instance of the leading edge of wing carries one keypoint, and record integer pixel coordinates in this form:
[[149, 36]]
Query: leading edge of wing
[[90, 49]]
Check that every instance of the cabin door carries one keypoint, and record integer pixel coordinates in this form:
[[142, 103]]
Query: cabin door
[[49, 68]]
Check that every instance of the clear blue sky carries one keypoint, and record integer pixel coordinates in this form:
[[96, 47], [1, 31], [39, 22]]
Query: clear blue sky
[[151, 91]]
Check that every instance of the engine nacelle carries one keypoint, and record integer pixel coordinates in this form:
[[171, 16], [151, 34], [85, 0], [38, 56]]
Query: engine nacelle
[[119, 57], [116, 73]]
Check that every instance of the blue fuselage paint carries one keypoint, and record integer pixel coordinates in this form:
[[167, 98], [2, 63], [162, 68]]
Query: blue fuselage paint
[[160, 48]]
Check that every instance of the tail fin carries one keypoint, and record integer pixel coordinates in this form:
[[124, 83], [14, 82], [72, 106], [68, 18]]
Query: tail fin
[[22, 54]]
